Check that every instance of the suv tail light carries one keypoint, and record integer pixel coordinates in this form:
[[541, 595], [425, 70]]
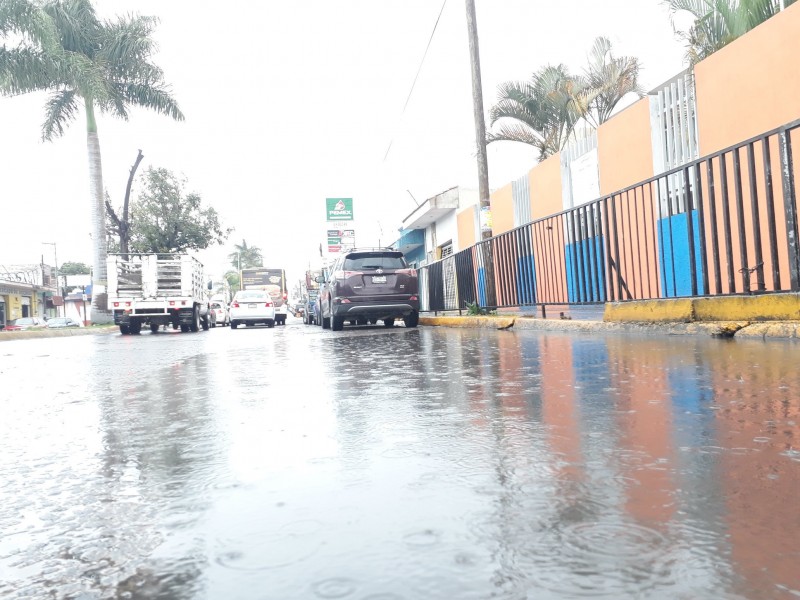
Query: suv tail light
[[285, 296], [346, 274], [235, 305], [268, 304]]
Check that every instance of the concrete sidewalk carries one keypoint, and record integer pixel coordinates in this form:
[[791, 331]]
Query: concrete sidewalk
[[62, 332], [720, 329]]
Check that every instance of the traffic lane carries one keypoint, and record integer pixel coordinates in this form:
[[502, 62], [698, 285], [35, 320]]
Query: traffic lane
[[419, 463]]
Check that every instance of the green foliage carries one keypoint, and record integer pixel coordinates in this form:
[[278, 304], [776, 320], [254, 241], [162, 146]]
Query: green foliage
[[545, 111], [74, 268], [474, 310], [719, 22], [63, 48], [164, 218], [232, 277], [245, 256]]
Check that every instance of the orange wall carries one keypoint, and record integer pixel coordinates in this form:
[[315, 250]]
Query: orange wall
[[502, 203], [625, 148], [466, 228], [751, 85], [545, 185]]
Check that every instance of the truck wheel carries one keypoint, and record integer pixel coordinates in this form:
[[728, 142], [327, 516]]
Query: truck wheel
[[124, 329], [205, 324], [154, 327], [136, 327], [234, 324], [337, 323], [184, 328], [195, 319], [388, 322], [411, 320]]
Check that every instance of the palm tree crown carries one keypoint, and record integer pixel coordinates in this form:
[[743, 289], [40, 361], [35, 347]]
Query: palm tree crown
[[545, 111], [61, 47], [67, 51], [718, 22], [245, 257]]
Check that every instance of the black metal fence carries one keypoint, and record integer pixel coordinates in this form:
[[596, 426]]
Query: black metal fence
[[724, 224]]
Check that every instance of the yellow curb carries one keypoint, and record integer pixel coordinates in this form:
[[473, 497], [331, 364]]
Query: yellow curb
[[649, 311], [767, 307]]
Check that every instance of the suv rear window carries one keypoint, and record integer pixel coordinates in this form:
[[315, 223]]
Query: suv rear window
[[367, 261]]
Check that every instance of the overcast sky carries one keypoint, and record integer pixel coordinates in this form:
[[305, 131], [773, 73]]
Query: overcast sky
[[288, 103]]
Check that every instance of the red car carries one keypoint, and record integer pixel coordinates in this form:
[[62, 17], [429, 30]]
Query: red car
[[25, 323]]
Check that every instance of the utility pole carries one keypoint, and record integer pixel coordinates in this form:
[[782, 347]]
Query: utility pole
[[58, 288], [480, 124]]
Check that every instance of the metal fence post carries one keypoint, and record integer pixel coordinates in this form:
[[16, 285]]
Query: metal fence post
[[790, 207]]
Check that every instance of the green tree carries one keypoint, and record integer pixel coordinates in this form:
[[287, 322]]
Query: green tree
[[606, 81], [164, 218], [542, 112], [545, 111], [232, 277], [63, 48], [246, 257], [74, 268], [718, 22]]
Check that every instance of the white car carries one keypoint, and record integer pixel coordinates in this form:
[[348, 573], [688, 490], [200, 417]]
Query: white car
[[221, 312], [250, 307]]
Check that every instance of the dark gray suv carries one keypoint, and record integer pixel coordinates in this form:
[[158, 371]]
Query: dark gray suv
[[367, 285]]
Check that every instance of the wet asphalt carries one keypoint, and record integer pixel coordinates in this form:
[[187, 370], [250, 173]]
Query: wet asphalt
[[388, 464]]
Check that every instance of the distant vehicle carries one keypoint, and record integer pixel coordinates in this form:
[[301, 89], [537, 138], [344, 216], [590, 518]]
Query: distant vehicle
[[25, 323], [272, 281], [365, 285], [156, 290], [220, 311], [250, 307], [310, 311], [60, 322]]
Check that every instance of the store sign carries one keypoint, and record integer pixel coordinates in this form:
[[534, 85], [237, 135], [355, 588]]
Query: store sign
[[339, 209]]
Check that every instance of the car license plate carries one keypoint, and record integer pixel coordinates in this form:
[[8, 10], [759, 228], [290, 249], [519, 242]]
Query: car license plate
[[252, 305], [379, 279]]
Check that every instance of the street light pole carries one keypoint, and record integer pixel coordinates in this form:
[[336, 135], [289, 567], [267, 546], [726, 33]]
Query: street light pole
[[58, 288]]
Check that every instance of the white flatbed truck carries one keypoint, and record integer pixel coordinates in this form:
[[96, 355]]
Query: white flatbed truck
[[157, 290]]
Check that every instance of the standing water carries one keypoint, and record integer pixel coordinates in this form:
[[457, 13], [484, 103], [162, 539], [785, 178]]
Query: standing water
[[296, 463]]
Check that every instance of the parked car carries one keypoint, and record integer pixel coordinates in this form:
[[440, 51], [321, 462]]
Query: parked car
[[220, 312], [60, 322], [250, 307], [365, 285], [25, 323], [310, 308]]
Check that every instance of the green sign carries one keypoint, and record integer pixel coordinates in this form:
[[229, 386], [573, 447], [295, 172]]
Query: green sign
[[339, 209]]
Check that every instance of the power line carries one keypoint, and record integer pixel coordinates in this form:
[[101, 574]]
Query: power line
[[422, 62]]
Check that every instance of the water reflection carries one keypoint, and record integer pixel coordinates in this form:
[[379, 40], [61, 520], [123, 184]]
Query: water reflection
[[433, 463]]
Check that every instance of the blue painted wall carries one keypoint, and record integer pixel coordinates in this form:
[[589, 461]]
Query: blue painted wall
[[526, 280], [673, 256], [586, 284]]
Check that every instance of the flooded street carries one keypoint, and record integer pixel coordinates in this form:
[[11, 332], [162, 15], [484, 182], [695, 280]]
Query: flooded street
[[296, 463]]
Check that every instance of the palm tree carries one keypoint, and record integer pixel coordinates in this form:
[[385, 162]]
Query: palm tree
[[63, 48], [245, 257], [718, 22], [606, 81], [544, 110]]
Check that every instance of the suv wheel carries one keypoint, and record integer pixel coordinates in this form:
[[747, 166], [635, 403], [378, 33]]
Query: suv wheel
[[411, 320], [337, 323], [326, 321]]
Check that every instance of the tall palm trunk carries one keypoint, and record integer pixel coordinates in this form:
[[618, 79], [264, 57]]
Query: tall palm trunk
[[100, 312]]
